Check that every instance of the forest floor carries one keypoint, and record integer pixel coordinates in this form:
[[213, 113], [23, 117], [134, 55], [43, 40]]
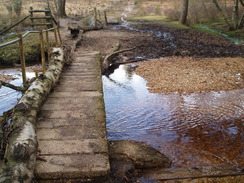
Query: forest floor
[[177, 60]]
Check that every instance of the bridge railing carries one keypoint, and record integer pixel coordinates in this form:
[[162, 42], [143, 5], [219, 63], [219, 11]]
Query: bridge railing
[[58, 42]]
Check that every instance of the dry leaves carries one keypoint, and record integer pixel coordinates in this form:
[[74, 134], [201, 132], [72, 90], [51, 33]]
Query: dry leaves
[[187, 75]]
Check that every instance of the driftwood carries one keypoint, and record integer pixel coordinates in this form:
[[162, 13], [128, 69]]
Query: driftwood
[[108, 59], [75, 27], [20, 155]]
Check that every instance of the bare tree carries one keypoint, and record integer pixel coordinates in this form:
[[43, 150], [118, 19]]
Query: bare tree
[[235, 14], [222, 13], [184, 12], [61, 8]]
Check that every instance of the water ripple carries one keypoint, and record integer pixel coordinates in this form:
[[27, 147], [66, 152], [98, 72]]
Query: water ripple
[[182, 123]]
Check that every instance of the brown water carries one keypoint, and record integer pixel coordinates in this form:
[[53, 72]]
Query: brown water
[[194, 130]]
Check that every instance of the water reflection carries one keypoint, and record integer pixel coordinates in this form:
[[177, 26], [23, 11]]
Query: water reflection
[[193, 130]]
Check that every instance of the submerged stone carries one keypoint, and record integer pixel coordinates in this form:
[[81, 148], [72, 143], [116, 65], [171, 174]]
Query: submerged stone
[[142, 155]]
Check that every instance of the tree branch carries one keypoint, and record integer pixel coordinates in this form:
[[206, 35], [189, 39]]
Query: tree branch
[[17, 88], [108, 59]]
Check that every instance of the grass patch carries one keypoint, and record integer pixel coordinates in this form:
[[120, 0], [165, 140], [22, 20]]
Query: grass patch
[[157, 19], [219, 28]]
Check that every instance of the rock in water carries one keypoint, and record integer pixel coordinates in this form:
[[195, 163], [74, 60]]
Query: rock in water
[[142, 155]]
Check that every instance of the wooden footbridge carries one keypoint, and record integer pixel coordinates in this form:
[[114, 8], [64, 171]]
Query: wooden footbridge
[[71, 128]]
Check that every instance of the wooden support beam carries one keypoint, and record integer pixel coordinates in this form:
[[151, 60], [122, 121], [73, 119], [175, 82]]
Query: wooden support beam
[[56, 37], [46, 17], [31, 18], [48, 45], [42, 51], [22, 58]]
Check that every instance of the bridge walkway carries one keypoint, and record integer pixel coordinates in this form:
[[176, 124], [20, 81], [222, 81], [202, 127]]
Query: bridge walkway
[[71, 127]]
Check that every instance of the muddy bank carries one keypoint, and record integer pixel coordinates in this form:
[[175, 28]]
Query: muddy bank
[[178, 74], [158, 40]]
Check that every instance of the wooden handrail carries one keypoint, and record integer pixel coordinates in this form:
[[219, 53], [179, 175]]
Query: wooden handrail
[[57, 35], [39, 11], [3, 31], [41, 37]]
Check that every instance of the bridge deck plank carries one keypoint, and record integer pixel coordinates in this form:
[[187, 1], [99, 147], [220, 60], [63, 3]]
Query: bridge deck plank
[[71, 129]]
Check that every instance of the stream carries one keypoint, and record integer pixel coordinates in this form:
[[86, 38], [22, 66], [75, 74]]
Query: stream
[[194, 130], [8, 97]]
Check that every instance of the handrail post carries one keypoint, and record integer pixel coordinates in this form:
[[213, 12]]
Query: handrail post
[[59, 35], [31, 18], [56, 37], [48, 45], [95, 17], [48, 20], [42, 51], [106, 19], [22, 58]]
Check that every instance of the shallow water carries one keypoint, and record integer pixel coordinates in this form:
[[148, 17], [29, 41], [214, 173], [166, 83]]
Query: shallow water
[[9, 97], [194, 130]]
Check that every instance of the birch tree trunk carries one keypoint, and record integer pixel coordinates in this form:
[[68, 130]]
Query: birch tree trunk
[[20, 154], [184, 12]]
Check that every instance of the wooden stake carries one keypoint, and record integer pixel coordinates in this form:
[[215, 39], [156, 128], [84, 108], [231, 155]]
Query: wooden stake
[[22, 58], [31, 18], [42, 51], [95, 17], [99, 14], [105, 17], [48, 18]]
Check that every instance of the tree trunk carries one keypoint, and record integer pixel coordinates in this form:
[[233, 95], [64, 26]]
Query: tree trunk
[[235, 14], [241, 23], [21, 151], [61, 8], [48, 4], [222, 13], [184, 12]]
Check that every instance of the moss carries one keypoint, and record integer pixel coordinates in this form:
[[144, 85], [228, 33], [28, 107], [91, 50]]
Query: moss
[[219, 28], [9, 55]]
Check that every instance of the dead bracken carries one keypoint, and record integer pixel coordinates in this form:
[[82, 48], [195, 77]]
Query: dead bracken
[[188, 75]]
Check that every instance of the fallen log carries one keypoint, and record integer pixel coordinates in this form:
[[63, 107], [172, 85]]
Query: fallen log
[[76, 27], [20, 154], [108, 59]]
